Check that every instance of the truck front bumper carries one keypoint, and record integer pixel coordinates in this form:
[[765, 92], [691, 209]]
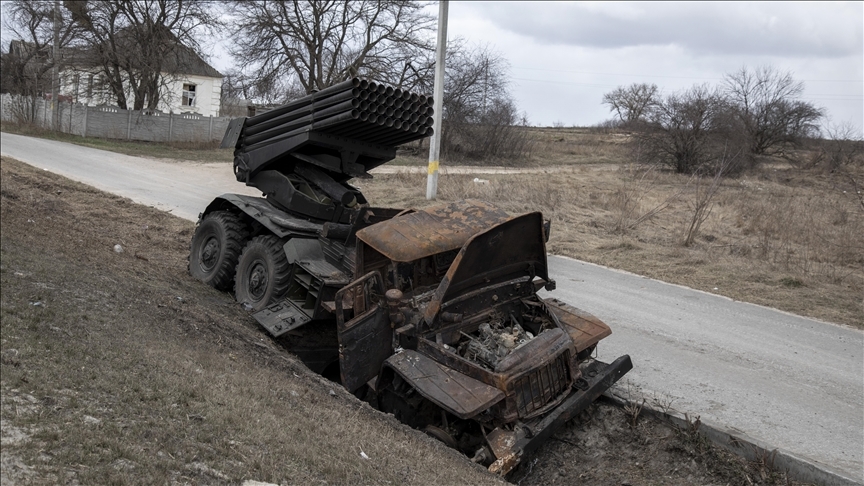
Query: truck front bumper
[[509, 446]]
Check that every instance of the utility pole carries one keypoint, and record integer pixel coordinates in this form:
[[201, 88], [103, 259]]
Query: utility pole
[[438, 95], [55, 70]]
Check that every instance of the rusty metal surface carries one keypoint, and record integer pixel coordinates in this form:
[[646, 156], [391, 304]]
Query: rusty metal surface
[[365, 341], [509, 250], [460, 394], [544, 388], [599, 377], [584, 329], [502, 442], [431, 231], [507, 454]]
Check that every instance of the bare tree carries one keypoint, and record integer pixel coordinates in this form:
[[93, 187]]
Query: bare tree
[[480, 119], [27, 64], [139, 45], [690, 131], [766, 103], [318, 43], [632, 103]]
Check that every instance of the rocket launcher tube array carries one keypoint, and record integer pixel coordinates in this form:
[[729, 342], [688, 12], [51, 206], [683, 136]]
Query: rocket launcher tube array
[[366, 111]]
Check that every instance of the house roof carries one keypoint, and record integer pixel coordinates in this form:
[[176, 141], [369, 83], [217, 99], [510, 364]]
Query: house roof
[[186, 60]]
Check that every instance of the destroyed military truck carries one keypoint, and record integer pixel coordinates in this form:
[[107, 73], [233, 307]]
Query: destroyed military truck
[[436, 313]]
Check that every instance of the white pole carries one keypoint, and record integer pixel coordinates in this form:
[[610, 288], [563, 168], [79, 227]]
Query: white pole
[[55, 70], [438, 94]]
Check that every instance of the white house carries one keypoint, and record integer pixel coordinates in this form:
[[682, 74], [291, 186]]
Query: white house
[[193, 87]]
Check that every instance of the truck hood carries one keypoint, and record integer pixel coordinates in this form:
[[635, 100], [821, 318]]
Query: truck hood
[[510, 250], [427, 232]]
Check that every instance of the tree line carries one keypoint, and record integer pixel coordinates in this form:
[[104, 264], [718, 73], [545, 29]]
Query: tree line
[[753, 113], [280, 50]]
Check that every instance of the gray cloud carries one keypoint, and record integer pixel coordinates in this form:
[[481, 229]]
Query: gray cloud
[[779, 29]]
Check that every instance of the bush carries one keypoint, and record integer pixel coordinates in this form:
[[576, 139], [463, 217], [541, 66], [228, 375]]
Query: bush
[[692, 132], [498, 134]]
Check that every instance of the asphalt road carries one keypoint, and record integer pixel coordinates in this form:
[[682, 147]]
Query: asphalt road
[[792, 382]]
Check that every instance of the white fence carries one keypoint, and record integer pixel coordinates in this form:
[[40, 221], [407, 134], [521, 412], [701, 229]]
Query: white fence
[[112, 122]]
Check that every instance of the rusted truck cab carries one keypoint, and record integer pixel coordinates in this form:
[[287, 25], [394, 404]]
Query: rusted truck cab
[[445, 329]]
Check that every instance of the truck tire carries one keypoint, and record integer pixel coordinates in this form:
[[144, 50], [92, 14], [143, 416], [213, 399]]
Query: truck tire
[[262, 273], [216, 247]]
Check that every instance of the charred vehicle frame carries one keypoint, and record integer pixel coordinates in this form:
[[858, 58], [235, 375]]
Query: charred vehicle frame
[[434, 314]]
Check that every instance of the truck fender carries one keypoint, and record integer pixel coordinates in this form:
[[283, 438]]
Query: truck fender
[[258, 209], [451, 390]]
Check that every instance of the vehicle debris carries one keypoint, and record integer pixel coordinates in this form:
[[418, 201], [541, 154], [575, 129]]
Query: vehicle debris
[[433, 314]]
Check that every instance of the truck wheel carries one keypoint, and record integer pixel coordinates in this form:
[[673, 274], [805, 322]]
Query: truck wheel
[[216, 247], [262, 273]]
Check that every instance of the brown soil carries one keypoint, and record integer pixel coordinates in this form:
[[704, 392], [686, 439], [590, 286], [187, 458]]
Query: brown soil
[[118, 368]]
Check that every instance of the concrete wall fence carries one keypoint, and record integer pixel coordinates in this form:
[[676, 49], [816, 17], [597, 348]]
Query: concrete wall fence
[[113, 122]]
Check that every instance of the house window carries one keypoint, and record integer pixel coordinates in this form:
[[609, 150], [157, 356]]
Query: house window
[[188, 95], [90, 86]]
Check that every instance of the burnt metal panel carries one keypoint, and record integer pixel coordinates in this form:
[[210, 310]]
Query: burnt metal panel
[[430, 231], [511, 249], [281, 317], [366, 340], [338, 255], [584, 329], [455, 392], [527, 358], [599, 377], [536, 391], [509, 448], [308, 253]]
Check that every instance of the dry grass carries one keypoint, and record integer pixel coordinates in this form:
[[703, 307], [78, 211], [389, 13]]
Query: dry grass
[[566, 146], [784, 238]]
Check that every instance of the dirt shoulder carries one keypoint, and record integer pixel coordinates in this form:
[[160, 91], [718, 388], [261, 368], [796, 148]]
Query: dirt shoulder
[[118, 368]]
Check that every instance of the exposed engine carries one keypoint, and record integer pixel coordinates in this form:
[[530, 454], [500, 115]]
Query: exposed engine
[[493, 344], [501, 335]]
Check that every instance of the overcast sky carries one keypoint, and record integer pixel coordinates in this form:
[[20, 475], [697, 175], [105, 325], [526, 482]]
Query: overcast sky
[[564, 56]]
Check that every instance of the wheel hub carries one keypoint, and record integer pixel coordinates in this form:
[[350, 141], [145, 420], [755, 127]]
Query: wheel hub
[[257, 281], [209, 254]]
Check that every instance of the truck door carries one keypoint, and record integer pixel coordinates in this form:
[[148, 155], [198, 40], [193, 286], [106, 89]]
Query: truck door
[[366, 339]]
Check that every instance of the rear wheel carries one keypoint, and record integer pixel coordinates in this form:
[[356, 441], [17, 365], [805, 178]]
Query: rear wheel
[[216, 247], [262, 273]]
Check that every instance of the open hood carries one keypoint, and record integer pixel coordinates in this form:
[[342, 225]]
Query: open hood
[[432, 230], [509, 250]]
